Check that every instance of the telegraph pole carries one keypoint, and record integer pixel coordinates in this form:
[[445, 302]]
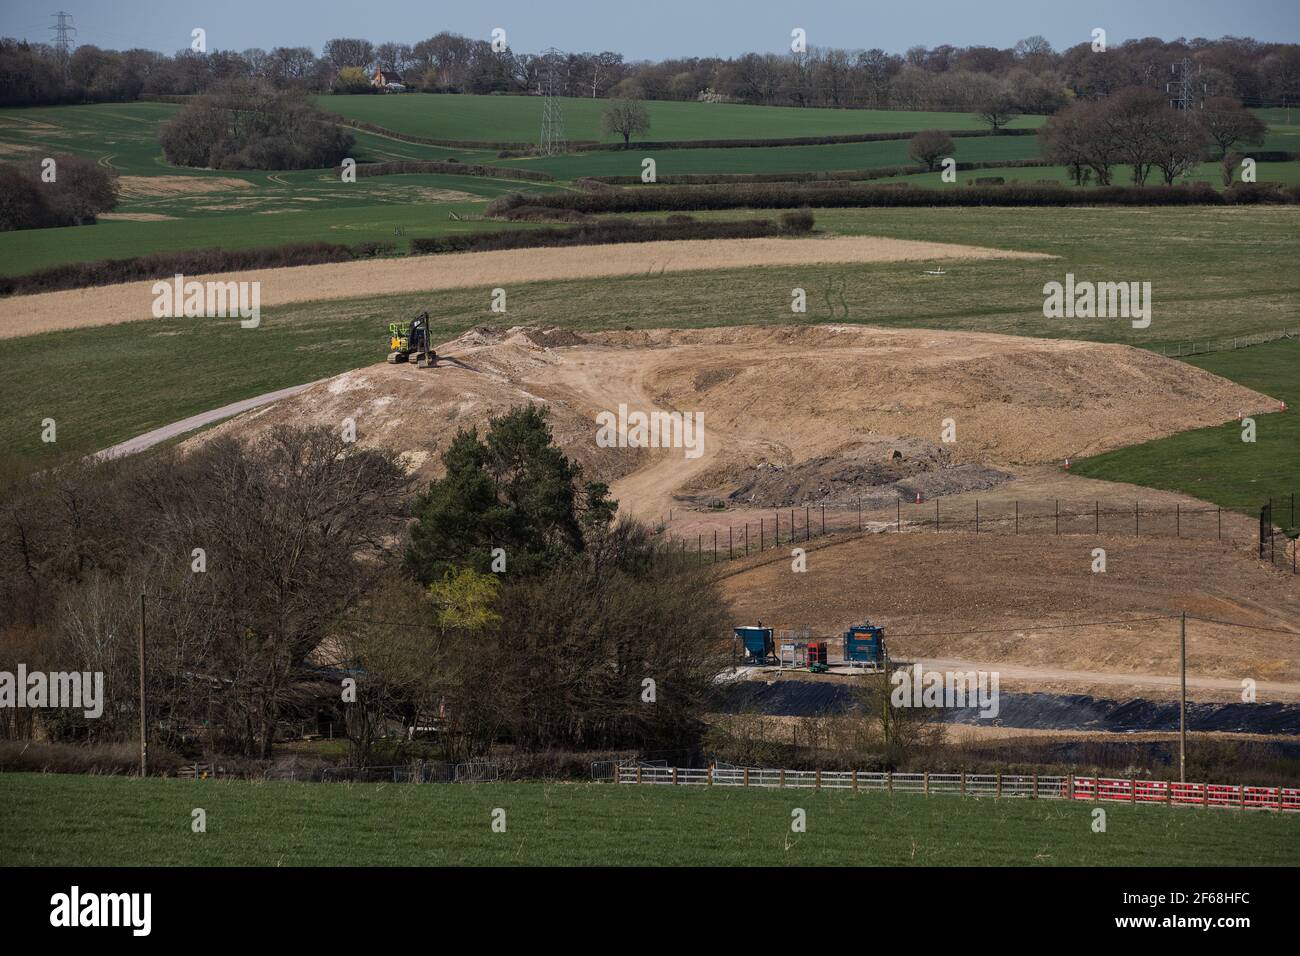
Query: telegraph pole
[[144, 720], [1182, 701], [885, 693]]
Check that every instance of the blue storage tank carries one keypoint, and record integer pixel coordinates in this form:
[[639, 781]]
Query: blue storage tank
[[864, 644], [760, 647]]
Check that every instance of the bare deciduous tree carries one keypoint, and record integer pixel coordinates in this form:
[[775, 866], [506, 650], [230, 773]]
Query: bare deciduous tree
[[626, 116], [929, 146]]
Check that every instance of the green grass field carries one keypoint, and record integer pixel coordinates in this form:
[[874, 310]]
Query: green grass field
[[312, 205], [1283, 129], [1213, 272], [373, 208], [67, 820], [468, 117], [1214, 463], [121, 380], [125, 136], [769, 159], [190, 208]]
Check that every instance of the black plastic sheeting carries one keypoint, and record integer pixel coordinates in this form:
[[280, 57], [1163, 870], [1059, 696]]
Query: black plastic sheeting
[[801, 698]]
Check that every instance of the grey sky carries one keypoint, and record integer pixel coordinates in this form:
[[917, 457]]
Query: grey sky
[[652, 29]]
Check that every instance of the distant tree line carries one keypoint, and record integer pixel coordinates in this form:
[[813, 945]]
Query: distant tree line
[[1029, 77]]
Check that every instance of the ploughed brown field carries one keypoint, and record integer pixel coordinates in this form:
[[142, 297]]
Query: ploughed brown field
[[132, 301]]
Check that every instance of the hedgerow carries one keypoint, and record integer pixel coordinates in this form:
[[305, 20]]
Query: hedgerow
[[825, 195]]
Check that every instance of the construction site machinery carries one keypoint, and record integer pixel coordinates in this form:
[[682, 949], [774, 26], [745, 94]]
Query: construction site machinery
[[409, 341], [760, 647], [864, 646]]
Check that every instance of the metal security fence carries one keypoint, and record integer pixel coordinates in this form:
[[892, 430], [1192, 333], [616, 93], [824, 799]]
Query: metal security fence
[[787, 527], [1275, 546], [1183, 349], [997, 786]]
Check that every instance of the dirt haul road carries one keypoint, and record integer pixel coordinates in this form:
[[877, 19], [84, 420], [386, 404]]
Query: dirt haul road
[[132, 301]]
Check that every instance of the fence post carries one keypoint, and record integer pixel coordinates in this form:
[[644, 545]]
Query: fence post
[[1279, 798], [998, 793], [674, 776], [855, 781], [638, 773], [925, 783], [746, 783], [889, 780], [616, 779], [1241, 796], [1132, 790], [963, 783], [817, 785], [781, 782], [710, 775], [1069, 792], [1205, 795], [1035, 791]]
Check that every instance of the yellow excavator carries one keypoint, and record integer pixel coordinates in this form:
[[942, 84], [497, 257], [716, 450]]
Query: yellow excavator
[[409, 342]]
